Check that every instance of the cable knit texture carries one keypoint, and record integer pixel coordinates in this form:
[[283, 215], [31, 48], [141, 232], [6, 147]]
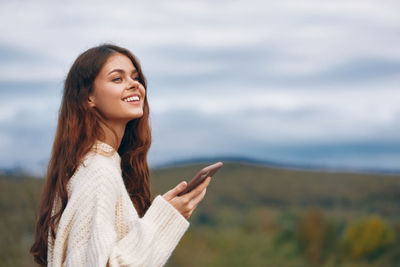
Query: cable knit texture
[[100, 225]]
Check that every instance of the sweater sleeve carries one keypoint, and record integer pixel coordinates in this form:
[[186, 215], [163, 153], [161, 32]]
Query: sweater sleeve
[[150, 241], [153, 238]]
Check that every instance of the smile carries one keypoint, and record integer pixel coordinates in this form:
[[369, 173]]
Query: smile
[[132, 99]]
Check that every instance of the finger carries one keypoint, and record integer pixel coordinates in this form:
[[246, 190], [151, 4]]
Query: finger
[[199, 188], [175, 191], [196, 200]]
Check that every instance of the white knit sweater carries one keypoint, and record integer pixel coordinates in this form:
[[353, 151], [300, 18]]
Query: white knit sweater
[[100, 225]]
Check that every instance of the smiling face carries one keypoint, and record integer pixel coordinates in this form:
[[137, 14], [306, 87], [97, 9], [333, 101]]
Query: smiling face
[[117, 93]]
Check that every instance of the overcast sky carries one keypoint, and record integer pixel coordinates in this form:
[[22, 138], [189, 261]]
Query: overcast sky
[[310, 82]]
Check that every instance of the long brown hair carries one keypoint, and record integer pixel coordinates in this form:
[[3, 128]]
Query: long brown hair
[[79, 126]]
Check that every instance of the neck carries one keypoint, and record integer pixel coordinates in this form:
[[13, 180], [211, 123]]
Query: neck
[[109, 138]]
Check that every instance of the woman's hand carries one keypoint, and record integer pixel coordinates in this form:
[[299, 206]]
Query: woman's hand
[[186, 203]]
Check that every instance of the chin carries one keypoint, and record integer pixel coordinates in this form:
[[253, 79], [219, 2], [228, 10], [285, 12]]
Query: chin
[[137, 116]]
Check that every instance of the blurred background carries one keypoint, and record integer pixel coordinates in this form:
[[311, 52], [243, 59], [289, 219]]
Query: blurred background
[[299, 98]]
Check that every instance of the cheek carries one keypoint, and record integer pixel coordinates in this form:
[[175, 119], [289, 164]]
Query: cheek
[[109, 101]]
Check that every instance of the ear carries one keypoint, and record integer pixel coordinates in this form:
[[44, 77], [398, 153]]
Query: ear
[[91, 101]]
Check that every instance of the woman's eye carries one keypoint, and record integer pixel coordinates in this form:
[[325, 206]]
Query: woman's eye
[[120, 79]]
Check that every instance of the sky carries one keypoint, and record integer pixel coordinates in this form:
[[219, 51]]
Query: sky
[[296, 82]]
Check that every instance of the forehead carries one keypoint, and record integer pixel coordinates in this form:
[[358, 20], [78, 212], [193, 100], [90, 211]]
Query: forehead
[[118, 61]]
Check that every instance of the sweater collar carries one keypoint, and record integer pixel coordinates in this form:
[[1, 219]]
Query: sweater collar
[[107, 150]]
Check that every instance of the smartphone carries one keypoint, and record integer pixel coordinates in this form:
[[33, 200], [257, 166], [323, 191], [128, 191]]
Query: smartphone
[[201, 176]]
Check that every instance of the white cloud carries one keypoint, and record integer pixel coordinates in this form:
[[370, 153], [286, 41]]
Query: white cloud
[[305, 36], [245, 71]]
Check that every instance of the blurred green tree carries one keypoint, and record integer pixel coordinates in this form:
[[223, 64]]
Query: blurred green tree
[[367, 238]]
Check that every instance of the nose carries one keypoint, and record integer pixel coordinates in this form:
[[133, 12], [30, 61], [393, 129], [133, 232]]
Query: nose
[[133, 84]]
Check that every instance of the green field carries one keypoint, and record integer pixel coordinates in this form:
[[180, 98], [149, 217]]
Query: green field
[[253, 216]]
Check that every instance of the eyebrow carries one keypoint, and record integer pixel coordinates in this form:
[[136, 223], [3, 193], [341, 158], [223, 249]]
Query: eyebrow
[[121, 71]]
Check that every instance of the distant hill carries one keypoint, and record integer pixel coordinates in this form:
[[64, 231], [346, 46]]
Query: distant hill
[[13, 171], [273, 164]]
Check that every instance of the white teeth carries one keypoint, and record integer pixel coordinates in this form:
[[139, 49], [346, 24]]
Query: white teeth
[[132, 98]]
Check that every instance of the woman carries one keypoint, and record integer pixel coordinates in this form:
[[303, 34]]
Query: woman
[[95, 207]]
